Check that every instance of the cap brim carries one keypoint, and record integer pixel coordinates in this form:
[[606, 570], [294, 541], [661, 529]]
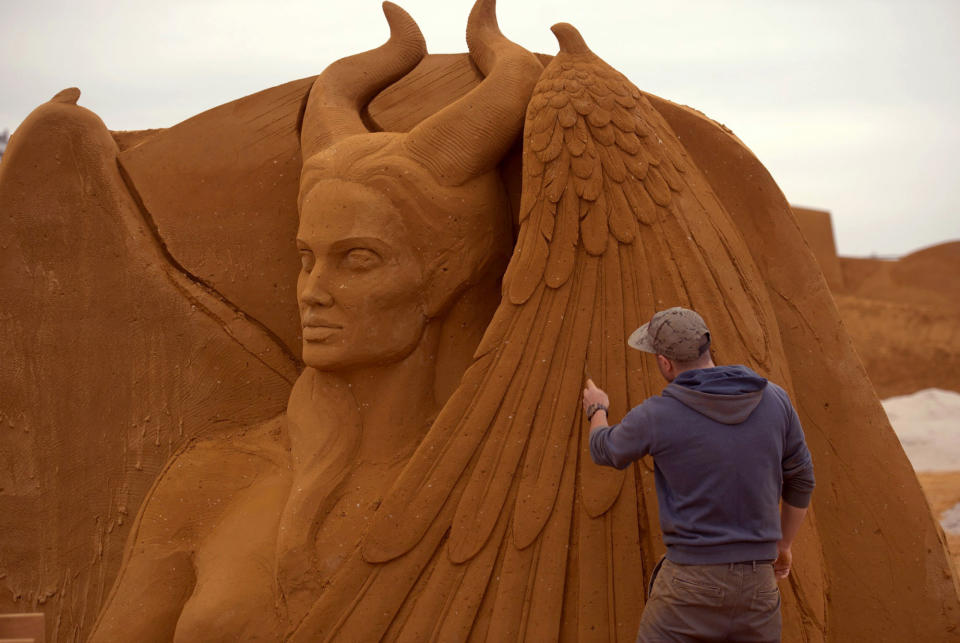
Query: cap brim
[[640, 340]]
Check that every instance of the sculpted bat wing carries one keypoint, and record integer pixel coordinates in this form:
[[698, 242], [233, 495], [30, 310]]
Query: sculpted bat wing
[[501, 527]]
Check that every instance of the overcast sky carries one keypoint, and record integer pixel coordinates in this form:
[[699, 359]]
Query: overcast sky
[[852, 105]]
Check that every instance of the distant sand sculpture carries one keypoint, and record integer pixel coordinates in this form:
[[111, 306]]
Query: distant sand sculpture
[[154, 337], [903, 315]]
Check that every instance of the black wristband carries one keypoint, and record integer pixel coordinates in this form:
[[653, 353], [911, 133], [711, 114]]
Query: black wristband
[[593, 409]]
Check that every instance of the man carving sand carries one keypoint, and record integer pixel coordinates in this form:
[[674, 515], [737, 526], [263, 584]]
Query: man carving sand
[[727, 446]]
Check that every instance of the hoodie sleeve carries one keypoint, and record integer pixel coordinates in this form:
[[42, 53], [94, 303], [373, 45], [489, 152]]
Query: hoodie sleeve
[[619, 445], [798, 480]]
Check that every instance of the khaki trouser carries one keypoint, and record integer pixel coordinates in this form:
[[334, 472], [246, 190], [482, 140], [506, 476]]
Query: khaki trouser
[[729, 602]]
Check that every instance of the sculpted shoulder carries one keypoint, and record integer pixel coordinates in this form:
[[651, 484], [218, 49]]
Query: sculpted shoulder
[[203, 480]]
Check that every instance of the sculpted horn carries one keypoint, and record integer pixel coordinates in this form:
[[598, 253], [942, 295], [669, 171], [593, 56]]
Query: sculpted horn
[[342, 90], [470, 136]]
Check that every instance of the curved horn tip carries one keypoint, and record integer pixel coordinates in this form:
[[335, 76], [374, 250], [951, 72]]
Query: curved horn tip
[[483, 15], [401, 23], [571, 42], [69, 95]]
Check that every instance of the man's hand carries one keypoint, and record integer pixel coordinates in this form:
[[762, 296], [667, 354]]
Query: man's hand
[[781, 566], [790, 519], [594, 395]]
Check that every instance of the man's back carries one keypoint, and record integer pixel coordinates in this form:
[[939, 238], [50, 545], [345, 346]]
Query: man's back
[[726, 443]]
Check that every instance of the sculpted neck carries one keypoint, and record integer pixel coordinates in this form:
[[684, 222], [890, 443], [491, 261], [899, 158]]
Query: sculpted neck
[[396, 401]]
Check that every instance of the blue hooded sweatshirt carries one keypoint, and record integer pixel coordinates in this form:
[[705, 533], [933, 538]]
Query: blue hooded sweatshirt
[[726, 446]]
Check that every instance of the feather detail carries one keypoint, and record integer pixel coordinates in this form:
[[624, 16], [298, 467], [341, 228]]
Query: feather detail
[[641, 127], [580, 130], [533, 169], [546, 601], [539, 120], [583, 105], [628, 595], [599, 118], [492, 478], [547, 218], [552, 150], [529, 193], [557, 413], [593, 225], [424, 485], [603, 134], [555, 176], [363, 600], [612, 159], [583, 165], [670, 176], [623, 223], [627, 141], [607, 352], [539, 140], [514, 593], [594, 569], [525, 271], [622, 117], [558, 99], [644, 209], [567, 115], [656, 187], [574, 143], [460, 617], [563, 248], [636, 164], [593, 184]]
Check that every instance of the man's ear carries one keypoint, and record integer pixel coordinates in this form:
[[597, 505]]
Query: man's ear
[[666, 366]]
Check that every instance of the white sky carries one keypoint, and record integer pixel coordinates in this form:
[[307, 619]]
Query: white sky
[[852, 105]]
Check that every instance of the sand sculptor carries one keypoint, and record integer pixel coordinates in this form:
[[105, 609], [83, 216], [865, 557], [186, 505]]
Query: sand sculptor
[[424, 473], [727, 446]]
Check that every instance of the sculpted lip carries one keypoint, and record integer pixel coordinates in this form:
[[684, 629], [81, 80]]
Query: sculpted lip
[[318, 331]]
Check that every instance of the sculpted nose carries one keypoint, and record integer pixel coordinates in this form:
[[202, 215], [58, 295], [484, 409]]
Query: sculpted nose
[[316, 292]]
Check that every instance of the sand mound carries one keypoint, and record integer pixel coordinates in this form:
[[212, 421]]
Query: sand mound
[[928, 425], [950, 519], [927, 277], [901, 314], [904, 347]]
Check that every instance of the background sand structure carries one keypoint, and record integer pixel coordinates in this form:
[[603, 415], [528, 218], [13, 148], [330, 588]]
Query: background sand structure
[[904, 318]]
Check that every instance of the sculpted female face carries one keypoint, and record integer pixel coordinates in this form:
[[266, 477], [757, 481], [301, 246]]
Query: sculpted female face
[[360, 287]]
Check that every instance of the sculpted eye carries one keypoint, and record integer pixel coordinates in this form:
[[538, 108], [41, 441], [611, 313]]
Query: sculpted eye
[[306, 260], [361, 259]]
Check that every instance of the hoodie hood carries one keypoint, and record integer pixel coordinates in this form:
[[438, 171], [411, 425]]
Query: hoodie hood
[[726, 394]]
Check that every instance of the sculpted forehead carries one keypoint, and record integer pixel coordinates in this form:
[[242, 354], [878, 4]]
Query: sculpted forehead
[[336, 209]]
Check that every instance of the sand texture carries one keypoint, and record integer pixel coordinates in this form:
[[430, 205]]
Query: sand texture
[[903, 315], [943, 492], [268, 349]]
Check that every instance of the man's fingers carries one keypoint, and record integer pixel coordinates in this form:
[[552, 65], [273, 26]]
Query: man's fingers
[[590, 383]]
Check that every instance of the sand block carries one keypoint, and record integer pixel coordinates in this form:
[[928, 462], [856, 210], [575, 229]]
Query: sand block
[[22, 627], [817, 229]]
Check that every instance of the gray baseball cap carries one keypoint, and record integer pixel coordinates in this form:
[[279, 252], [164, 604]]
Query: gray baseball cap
[[677, 333]]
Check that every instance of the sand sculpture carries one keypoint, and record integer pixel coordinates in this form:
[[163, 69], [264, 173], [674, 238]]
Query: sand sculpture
[[904, 318], [903, 315], [421, 475]]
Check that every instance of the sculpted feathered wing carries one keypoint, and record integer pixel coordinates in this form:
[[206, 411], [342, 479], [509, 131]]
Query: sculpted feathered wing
[[501, 527]]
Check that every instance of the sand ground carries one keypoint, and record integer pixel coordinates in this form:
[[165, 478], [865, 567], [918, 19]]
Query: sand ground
[[943, 493]]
